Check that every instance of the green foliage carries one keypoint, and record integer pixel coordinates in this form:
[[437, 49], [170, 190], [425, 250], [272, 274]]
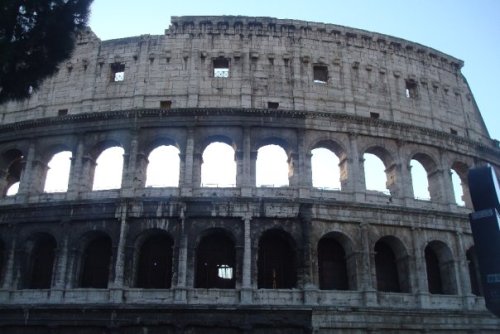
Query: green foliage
[[35, 36]]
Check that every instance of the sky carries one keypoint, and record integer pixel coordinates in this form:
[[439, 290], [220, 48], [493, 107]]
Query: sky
[[466, 29]]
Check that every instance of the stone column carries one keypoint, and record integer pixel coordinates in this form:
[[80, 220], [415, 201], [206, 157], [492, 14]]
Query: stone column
[[9, 266], [87, 176], [405, 182], [75, 174], [60, 271], [356, 180], [367, 271], [27, 171], [445, 183], [244, 165], [303, 167], [293, 170], [187, 181], [253, 168], [420, 272], [117, 286], [180, 293], [463, 278], [3, 181], [129, 176], [246, 282]]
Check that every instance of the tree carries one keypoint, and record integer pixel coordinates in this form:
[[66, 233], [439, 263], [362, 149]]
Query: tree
[[35, 36]]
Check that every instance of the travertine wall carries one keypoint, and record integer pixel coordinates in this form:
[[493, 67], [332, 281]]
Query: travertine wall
[[362, 107]]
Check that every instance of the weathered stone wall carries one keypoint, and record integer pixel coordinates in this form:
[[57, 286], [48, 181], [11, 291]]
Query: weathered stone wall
[[362, 107]]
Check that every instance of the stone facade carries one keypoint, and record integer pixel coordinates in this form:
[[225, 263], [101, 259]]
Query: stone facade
[[407, 265]]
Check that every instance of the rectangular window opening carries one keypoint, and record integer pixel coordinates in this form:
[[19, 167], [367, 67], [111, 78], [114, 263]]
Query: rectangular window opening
[[272, 105], [410, 89], [320, 74], [374, 115], [117, 72], [221, 67], [62, 112], [165, 104]]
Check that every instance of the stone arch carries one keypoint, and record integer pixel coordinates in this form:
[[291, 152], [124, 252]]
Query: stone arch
[[154, 260], [432, 178], [107, 175], [11, 170], [274, 157], [215, 263], [461, 190], [392, 267], [40, 249], [340, 158], [276, 260], [336, 263], [95, 260], [474, 274], [58, 167], [389, 173], [218, 162], [440, 268]]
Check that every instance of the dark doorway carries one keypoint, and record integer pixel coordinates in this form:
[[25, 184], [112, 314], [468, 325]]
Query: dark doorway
[[386, 268], [42, 262], [96, 261], [215, 262], [155, 263], [332, 265], [434, 279], [276, 261]]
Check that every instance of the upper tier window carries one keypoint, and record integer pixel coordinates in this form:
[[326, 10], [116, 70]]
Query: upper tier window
[[221, 67], [320, 74], [117, 72]]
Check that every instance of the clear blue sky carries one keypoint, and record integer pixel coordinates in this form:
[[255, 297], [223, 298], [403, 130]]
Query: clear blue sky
[[466, 29]]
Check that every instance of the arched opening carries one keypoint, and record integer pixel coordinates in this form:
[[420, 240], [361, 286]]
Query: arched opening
[[96, 263], [386, 268], [458, 189], [276, 263], [474, 275], [42, 262], [109, 169], [272, 168], [219, 167], [420, 181], [215, 262], [375, 176], [163, 167], [325, 169], [58, 174], [12, 160], [440, 269], [332, 265], [154, 270]]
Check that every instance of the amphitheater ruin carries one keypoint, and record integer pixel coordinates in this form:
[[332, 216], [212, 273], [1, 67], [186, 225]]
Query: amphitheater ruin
[[192, 255]]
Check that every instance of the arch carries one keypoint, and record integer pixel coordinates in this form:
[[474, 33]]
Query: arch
[[109, 168], [58, 173], [11, 162], [325, 167], [420, 182], [460, 183], [215, 261], [41, 261], [276, 261], [375, 173], [95, 262], [272, 166], [163, 167], [391, 265], [474, 275], [425, 181], [335, 271], [154, 268], [440, 268], [219, 166]]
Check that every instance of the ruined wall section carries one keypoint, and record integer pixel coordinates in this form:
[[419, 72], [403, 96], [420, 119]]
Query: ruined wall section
[[271, 63]]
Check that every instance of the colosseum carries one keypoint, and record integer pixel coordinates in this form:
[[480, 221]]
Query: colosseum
[[195, 255]]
